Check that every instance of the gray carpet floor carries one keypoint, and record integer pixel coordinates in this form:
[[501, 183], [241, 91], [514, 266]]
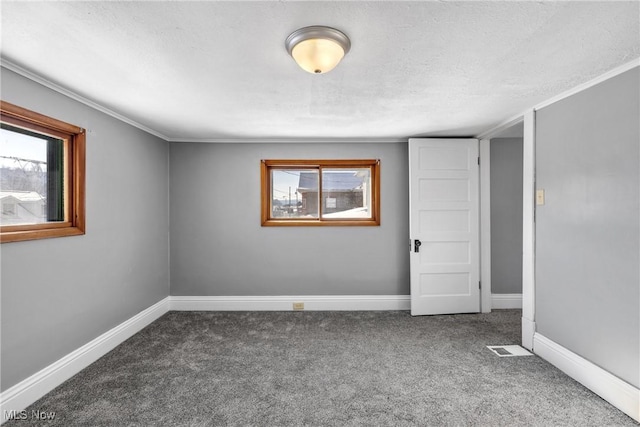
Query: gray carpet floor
[[323, 369]]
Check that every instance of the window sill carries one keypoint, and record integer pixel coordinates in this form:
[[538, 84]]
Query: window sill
[[46, 233], [318, 223]]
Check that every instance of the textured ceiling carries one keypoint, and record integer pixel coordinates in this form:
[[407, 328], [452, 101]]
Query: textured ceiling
[[219, 70]]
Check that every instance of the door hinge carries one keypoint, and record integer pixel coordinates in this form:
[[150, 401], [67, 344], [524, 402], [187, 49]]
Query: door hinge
[[479, 285], [478, 161]]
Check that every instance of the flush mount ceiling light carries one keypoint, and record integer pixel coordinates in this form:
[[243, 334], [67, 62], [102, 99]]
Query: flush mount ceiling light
[[317, 49]]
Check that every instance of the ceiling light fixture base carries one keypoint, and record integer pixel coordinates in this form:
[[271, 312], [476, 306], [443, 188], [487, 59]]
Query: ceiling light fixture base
[[317, 49]]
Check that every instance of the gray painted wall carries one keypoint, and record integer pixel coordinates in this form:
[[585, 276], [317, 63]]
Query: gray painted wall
[[506, 215], [219, 248], [587, 233], [58, 294]]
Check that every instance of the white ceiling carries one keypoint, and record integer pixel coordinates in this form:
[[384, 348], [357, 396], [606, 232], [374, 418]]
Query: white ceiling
[[218, 71]]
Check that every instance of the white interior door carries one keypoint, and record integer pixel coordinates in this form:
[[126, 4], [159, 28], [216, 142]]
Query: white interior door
[[444, 219]]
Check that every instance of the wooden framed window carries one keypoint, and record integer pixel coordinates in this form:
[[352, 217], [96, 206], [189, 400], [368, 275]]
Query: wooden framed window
[[42, 176], [320, 192]]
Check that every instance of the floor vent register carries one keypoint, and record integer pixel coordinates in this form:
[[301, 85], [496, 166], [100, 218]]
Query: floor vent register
[[509, 350]]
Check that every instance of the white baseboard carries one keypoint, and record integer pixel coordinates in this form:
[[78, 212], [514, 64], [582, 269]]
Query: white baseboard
[[26, 392], [285, 303], [506, 301], [619, 393], [23, 394]]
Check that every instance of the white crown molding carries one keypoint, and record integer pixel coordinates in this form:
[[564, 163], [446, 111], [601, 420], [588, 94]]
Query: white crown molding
[[66, 92], [519, 117], [484, 135], [619, 393], [491, 133], [285, 303], [506, 301], [606, 76], [5, 63], [26, 392], [302, 140]]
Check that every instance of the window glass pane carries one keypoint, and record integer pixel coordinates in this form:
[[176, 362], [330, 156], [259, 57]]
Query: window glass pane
[[346, 193], [294, 193], [31, 177]]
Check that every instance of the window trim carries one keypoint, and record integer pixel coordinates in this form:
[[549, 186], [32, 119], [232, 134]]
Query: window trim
[[74, 170], [265, 192]]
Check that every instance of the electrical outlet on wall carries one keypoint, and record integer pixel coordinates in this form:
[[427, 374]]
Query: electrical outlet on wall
[[298, 306]]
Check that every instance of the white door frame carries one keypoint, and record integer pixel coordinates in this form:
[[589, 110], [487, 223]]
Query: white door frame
[[485, 225], [528, 222], [528, 230], [528, 202]]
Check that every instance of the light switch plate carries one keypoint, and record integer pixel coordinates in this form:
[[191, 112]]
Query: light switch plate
[[539, 197]]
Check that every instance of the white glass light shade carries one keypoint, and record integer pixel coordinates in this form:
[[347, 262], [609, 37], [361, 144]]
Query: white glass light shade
[[317, 49], [317, 55]]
